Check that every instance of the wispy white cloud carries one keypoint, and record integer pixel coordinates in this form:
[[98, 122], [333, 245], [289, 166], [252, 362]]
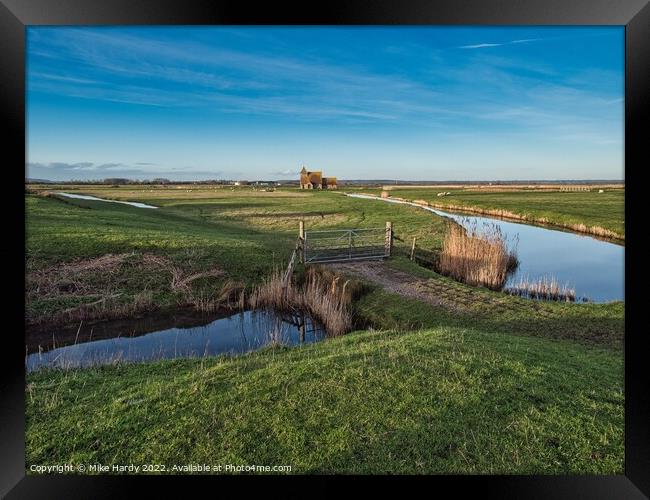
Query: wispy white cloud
[[511, 42], [168, 74], [61, 78], [285, 173], [480, 45], [231, 80], [86, 169], [525, 40]]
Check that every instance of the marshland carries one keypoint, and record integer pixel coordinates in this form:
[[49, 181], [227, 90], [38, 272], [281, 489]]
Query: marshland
[[389, 341], [594, 209], [589, 265]]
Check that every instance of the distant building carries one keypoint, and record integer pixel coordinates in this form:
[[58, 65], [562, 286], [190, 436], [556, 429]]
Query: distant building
[[311, 180], [315, 180]]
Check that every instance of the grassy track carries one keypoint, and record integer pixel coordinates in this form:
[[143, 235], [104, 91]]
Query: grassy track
[[442, 400], [598, 325], [604, 210]]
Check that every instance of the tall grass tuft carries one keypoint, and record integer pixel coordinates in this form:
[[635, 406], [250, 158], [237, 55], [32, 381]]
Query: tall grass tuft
[[479, 258], [228, 297], [544, 288], [321, 294]]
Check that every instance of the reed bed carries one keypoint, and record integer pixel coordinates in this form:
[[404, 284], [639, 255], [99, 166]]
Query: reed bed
[[477, 257], [544, 288], [229, 297], [321, 294]]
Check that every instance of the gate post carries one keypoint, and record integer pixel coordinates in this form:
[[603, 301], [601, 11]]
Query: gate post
[[350, 245], [301, 237], [388, 245]]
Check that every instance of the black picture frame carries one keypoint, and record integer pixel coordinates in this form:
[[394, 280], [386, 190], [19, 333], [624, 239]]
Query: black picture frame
[[15, 15]]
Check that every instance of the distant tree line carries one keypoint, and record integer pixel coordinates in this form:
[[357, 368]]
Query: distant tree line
[[121, 181]]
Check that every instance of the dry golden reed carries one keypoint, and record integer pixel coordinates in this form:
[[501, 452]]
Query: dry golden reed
[[321, 294], [477, 258], [544, 288]]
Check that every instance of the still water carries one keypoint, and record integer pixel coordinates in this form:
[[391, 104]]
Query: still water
[[94, 198], [595, 268], [239, 333]]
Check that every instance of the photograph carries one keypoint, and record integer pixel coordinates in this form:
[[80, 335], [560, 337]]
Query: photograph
[[324, 250], [293, 248]]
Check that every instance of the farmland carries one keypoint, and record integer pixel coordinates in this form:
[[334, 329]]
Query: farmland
[[438, 376], [567, 209], [244, 232]]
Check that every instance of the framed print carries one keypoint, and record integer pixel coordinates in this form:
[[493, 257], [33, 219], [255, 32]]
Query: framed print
[[385, 241]]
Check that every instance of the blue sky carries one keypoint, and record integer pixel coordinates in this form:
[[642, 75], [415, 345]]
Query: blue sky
[[418, 103]]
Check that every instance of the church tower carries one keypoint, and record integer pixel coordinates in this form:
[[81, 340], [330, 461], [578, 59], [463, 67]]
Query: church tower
[[304, 178]]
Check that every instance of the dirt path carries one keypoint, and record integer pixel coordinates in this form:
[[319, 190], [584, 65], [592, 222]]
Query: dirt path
[[438, 292], [390, 279], [497, 311]]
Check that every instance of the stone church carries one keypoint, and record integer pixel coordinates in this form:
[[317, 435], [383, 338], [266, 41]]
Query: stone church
[[315, 180]]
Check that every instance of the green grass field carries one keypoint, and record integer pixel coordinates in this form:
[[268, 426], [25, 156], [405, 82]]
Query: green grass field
[[482, 383], [442, 400], [590, 208], [245, 233]]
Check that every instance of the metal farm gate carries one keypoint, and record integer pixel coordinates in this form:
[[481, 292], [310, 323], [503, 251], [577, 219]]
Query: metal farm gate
[[346, 244]]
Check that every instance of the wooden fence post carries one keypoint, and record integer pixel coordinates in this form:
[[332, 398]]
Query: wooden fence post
[[413, 249], [388, 245], [350, 245], [301, 236]]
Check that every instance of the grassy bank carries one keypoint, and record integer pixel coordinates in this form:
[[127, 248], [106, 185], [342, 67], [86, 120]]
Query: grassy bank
[[429, 300], [204, 239], [441, 400], [591, 212]]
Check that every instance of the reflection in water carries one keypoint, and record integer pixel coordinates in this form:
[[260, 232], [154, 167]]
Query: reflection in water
[[235, 334]]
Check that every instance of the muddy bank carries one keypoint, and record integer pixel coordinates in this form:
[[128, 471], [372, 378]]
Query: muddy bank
[[48, 336]]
